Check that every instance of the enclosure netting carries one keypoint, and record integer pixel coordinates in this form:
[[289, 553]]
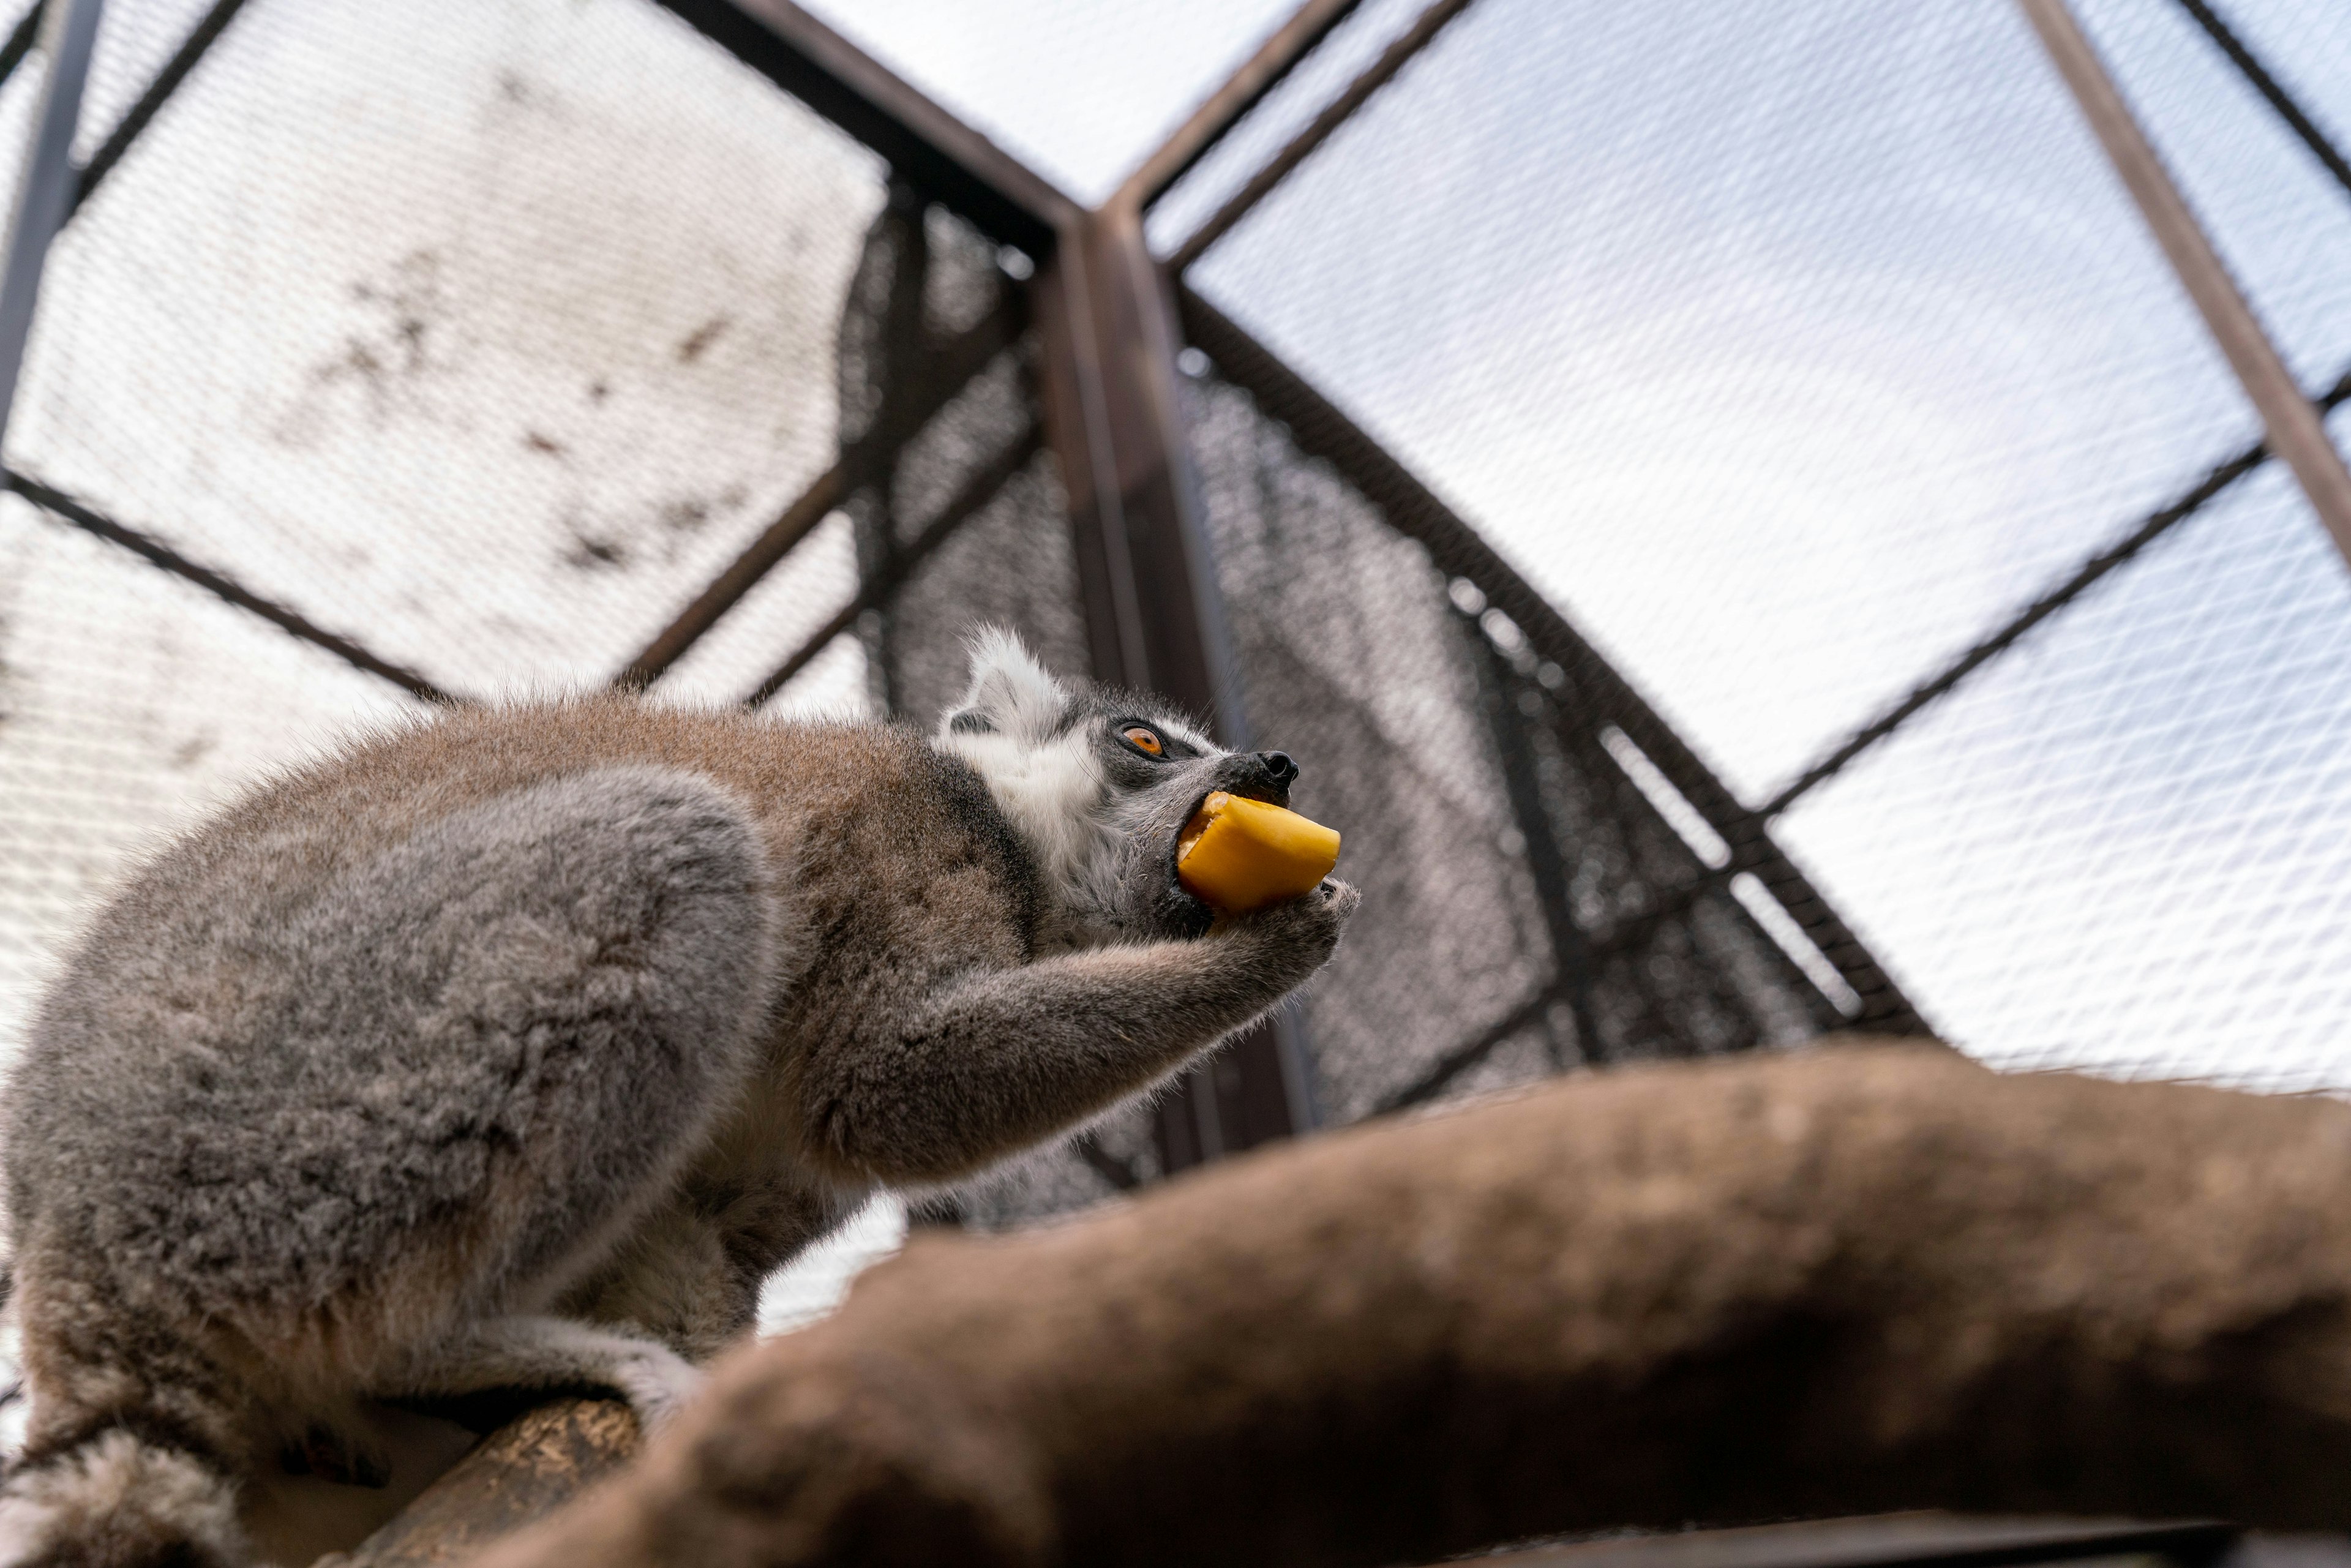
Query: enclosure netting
[[1792, 352], [483, 333]]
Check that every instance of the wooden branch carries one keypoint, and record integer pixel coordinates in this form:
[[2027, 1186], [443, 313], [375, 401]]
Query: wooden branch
[[520, 1472], [1843, 1282], [2296, 433]]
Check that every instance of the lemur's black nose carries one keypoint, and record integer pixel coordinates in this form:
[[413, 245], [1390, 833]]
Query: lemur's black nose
[[1279, 765]]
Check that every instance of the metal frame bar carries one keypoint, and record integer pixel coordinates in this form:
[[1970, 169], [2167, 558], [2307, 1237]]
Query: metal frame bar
[[1378, 75], [2249, 67], [1605, 697], [877, 591], [66, 509], [1077, 422], [1898, 1541], [927, 146], [1110, 399], [1264, 71], [954, 368], [2219, 479], [135, 121], [2295, 432], [45, 187]]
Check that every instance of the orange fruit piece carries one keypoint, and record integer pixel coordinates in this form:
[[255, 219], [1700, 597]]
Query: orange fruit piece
[[1238, 854]]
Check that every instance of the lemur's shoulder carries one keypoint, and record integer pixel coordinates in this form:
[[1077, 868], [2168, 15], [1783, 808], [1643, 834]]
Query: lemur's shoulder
[[853, 812]]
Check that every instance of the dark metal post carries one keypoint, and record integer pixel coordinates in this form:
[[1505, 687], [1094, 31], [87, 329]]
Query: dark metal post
[[1263, 71], [1394, 58], [1500, 689], [1154, 618], [44, 190]]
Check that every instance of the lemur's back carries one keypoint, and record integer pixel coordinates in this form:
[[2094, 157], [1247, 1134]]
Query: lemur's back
[[214, 1090]]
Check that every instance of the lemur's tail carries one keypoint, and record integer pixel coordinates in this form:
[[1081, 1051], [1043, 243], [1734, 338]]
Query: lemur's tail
[[121, 1496]]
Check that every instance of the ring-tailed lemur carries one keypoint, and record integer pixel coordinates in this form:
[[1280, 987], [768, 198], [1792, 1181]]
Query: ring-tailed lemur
[[518, 1047]]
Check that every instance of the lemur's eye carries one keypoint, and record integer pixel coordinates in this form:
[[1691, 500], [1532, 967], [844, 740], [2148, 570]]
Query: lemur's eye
[[1143, 740]]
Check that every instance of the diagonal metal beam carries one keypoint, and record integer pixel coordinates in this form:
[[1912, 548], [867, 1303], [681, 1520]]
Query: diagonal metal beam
[[127, 130], [1375, 75], [1247, 88], [19, 42], [928, 148], [949, 373], [67, 509], [2249, 65], [1440, 1073], [2295, 432], [976, 491], [2112, 558]]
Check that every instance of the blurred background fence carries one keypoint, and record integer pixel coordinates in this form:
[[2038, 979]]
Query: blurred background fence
[[1727, 504]]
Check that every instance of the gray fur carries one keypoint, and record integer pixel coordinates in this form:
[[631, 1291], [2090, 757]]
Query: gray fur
[[582, 957], [519, 1049]]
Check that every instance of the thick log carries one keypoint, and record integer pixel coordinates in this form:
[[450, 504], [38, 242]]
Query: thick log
[[1846, 1281]]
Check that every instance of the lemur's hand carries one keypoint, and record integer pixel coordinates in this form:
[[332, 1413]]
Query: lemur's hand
[[1294, 939]]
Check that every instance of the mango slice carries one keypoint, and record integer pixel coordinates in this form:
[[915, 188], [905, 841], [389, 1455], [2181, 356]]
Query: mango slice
[[1237, 855]]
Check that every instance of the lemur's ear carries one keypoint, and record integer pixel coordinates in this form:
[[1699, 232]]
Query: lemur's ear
[[1010, 693]]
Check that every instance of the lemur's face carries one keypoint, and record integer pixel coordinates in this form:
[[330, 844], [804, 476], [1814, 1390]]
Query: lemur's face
[[1100, 784]]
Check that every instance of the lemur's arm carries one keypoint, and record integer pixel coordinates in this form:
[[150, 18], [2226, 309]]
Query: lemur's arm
[[998, 1060]]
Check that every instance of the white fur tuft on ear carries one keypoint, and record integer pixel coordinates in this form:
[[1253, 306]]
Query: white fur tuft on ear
[[1010, 689]]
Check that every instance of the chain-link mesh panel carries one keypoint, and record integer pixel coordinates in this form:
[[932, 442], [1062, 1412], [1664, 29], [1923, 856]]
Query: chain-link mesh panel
[[1458, 761], [487, 331], [1677, 282], [2129, 845], [1794, 353], [128, 702], [482, 334]]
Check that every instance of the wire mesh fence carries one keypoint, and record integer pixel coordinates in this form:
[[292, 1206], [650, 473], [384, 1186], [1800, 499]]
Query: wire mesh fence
[[1796, 354], [482, 335]]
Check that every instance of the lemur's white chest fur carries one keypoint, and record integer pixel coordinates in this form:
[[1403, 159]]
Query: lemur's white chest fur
[[1053, 793]]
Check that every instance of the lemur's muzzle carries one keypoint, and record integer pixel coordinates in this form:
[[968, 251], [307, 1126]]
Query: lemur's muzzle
[[1259, 776]]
